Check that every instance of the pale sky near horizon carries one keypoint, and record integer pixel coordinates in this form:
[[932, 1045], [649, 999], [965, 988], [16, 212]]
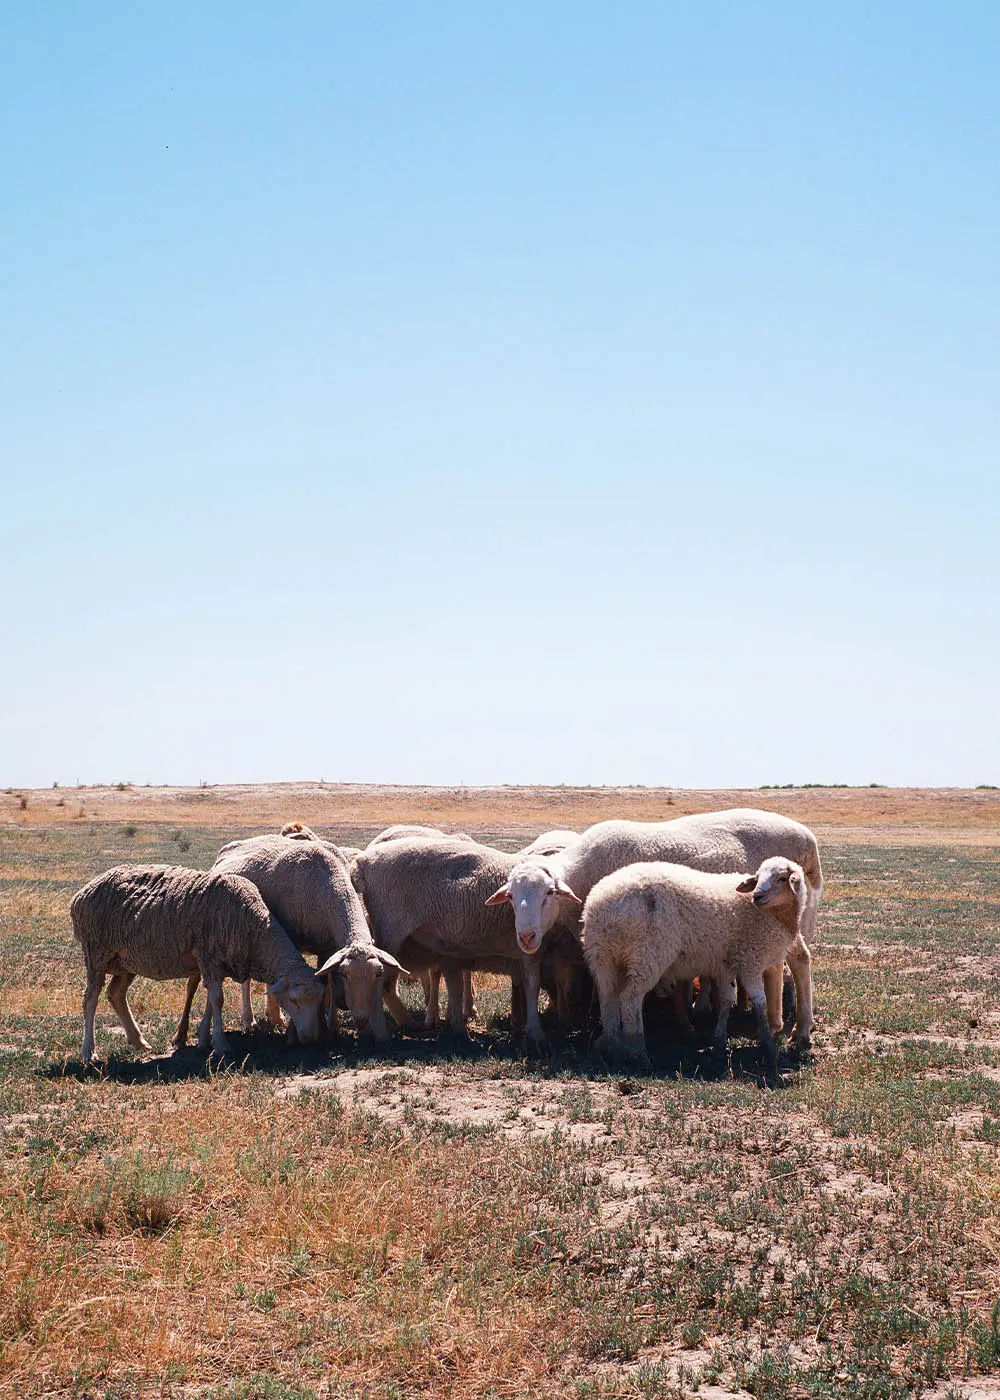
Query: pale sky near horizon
[[519, 393]]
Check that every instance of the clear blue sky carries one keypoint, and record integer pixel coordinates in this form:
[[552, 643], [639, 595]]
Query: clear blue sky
[[550, 392]]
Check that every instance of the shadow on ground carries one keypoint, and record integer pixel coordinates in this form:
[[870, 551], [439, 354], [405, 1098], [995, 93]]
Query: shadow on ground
[[568, 1056]]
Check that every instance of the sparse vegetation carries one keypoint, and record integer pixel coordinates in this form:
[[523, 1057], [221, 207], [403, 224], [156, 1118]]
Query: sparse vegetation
[[454, 1220]]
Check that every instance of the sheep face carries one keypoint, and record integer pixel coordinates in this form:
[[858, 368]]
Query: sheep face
[[363, 974], [364, 971], [538, 898], [778, 881], [302, 1003]]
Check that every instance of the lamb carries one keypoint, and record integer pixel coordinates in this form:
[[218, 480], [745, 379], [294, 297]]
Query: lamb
[[307, 886], [654, 921], [426, 898], [546, 890], [163, 922]]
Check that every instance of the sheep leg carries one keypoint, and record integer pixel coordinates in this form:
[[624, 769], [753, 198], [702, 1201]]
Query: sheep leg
[[518, 1005], [454, 981], [399, 1013], [213, 1018], [800, 962], [633, 1030], [430, 978], [273, 1012], [726, 988], [248, 1018], [95, 985], [609, 1040], [774, 987], [532, 986], [184, 1024], [328, 1013], [755, 991], [468, 995], [118, 997]]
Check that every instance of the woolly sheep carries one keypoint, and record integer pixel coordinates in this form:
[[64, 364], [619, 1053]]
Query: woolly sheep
[[430, 976], [307, 886], [165, 922], [426, 898], [298, 831], [654, 921], [545, 890]]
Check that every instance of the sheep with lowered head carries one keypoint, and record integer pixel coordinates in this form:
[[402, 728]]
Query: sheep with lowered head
[[307, 886], [654, 921], [165, 922]]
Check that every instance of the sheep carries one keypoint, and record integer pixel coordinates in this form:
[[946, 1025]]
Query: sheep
[[430, 976], [545, 890], [164, 921], [549, 843], [298, 831], [307, 886], [426, 898], [401, 831], [654, 921]]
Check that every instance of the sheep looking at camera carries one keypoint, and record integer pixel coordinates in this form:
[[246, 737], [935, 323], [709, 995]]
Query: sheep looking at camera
[[549, 890], [654, 921]]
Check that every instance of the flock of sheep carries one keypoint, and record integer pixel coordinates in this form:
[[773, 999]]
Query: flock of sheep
[[708, 902]]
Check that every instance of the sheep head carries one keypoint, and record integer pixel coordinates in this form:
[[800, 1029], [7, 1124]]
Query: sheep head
[[537, 897]]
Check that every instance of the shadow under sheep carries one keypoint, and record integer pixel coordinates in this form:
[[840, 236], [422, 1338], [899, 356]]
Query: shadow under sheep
[[266, 1053]]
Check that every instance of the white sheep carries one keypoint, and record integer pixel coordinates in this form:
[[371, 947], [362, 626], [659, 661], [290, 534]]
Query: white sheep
[[307, 886], [165, 922], [655, 921], [430, 976], [546, 890]]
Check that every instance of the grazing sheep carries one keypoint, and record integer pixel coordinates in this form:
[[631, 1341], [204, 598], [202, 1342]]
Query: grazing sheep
[[655, 921], [546, 890], [426, 898], [307, 886], [163, 921]]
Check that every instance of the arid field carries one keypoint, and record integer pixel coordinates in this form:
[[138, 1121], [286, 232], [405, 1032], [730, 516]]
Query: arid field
[[453, 1219]]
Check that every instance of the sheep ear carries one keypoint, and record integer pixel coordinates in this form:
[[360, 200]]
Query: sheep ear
[[278, 986], [747, 885], [332, 962], [500, 896], [564, 892], [389, 961], [795, 880]]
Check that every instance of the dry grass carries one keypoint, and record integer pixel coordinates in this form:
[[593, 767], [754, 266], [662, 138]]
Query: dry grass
[[900, 814], [452, 1220]]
